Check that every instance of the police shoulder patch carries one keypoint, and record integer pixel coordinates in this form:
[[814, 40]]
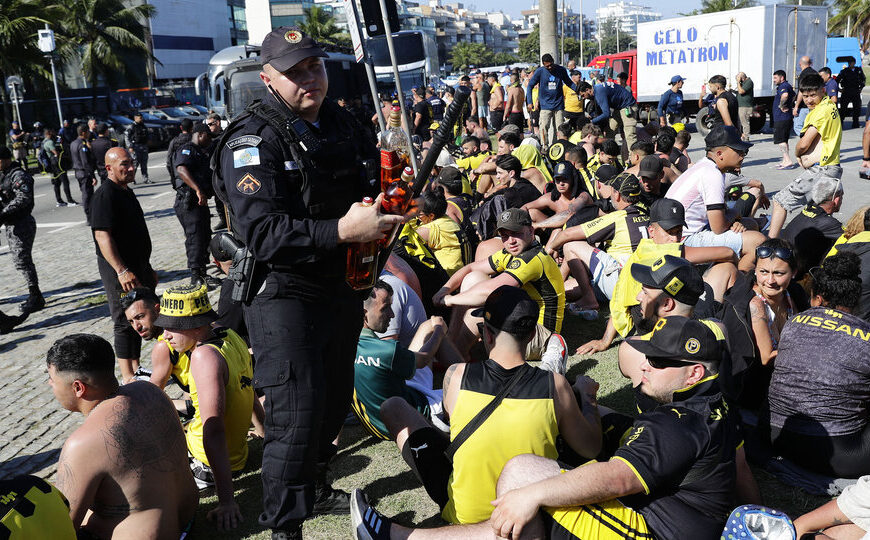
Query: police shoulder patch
[[248, 185], [186, 152], [244, 140]]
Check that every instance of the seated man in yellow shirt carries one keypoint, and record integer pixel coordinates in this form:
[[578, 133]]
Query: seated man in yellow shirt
[[220, 388], [573, 102], [443, 235], [818, 151]]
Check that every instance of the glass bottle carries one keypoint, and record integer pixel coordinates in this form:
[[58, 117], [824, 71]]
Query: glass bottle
[[362, 261], [395, 149]]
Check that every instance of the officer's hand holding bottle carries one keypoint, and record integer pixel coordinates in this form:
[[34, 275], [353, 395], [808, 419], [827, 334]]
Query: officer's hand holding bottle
[[366, 223]]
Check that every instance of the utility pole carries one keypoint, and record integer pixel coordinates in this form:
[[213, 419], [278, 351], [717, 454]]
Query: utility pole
[[562, 35], [547, 28], [582, 56], [46, 45]]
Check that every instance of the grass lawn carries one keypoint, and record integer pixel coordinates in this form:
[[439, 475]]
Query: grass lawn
[[390, 484]]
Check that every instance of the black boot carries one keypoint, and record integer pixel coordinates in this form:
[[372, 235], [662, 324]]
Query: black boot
[[198, 276], [8, 322], [328, 501], [34, 301]]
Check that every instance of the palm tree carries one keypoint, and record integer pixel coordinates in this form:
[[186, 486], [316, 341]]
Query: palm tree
[[19, 21], [853, 13], [320, 25], [713, 6], [103, 35]]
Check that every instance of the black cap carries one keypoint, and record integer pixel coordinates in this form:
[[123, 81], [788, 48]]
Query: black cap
[[510, 309], [564, 169], [626, 184], [650, 167], [5, 152], [675, 276], [513, 219], [723, 135], [605, 173], [681, 339], [450, 173], [201, 128], [668, 213], [286, 46]]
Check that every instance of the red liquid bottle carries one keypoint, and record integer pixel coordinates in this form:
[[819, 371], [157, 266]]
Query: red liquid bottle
[[362, 261], [395, 149]]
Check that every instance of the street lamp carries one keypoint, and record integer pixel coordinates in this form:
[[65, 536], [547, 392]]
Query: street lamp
[[46, 45]]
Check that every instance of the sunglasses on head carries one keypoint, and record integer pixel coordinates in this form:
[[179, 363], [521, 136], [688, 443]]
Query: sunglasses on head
[[765, 252], [662, 363]]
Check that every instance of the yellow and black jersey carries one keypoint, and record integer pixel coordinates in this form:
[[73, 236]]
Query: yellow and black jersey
[[537, 273], [32, 508], [683, 454], [621, 231], [523, 423], [180, 366], [587, 183]]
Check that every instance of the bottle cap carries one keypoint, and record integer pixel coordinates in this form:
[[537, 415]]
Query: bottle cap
[[368, 201]]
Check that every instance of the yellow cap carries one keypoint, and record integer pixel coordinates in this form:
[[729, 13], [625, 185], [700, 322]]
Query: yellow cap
[[184, 307]]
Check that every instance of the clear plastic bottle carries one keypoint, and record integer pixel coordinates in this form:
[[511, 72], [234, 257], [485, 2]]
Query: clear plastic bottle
[[362, 261], [395, 149]]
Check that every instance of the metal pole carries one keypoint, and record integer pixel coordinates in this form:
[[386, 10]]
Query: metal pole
[[14, 96], [56, 91], [582, 56], [562, 37], [370, 72], [389, 35]]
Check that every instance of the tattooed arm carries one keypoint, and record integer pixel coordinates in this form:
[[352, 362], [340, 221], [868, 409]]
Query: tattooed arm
[[78, 477], [452, 382]]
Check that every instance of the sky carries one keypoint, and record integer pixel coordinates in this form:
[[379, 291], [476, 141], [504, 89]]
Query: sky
[[668, 8]]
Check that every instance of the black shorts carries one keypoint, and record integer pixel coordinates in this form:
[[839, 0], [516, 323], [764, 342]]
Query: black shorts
[[424, 453], [782, 131], [534, 118]]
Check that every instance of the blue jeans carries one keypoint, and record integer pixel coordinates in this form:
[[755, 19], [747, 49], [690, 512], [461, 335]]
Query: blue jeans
[[799, 121]]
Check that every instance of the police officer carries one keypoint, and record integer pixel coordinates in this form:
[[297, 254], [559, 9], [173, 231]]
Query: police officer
[[16, 205], [85, 166], [99, 146], [177, 142], [852, 80], [137, 141], [191, 162], [291, 169]]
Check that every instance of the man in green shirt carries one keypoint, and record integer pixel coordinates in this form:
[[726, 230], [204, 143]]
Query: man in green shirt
[[745, 99], [385, 369]]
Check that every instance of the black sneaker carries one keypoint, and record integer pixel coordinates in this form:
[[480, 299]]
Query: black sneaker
[[34, 302], [330, 502], [9, 322], [367, 523]]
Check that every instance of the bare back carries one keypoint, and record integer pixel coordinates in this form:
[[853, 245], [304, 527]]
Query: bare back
[[516, 97], [125, 470]]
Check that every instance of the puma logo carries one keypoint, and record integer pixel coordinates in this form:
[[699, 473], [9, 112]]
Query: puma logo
[[678, 413], [417, 449]]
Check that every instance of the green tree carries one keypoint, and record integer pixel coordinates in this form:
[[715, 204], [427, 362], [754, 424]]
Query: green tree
[[19, 21], [713, 6], [106, 37], [530, 47], [465, 54], [609, 44], [504, 58], [854, 15], [320, 25]]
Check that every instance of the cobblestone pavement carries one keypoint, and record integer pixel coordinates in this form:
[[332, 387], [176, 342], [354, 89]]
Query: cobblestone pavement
[[35, 426]]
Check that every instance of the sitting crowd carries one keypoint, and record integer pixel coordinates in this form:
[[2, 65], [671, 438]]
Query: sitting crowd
[[739, 340]]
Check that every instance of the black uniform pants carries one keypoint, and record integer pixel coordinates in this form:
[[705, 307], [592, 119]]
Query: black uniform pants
[[305, 351], [128, 344], [194, 220], [61, 179], [20, 236], [86, 185], [853, 99], [140, 156]]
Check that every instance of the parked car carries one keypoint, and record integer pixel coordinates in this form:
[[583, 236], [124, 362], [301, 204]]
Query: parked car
[[172, 113], [197, 110], [169, 128]]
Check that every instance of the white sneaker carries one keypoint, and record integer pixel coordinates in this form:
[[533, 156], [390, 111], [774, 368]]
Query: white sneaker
[[555, 357]]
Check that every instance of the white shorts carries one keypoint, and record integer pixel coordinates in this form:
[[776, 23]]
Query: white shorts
[[708, 238], [605, 272]]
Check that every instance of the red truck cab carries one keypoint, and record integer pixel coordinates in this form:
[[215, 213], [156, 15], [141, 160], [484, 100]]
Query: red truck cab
[[614, 64]]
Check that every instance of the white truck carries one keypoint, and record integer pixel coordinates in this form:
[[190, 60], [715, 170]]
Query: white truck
[[757, 41]]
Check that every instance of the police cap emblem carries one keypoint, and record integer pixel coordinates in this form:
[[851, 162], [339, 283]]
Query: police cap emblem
[[293, 36]]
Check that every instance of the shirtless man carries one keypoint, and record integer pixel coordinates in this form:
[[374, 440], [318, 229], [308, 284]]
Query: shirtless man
[[125, 470], [514, 101]]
